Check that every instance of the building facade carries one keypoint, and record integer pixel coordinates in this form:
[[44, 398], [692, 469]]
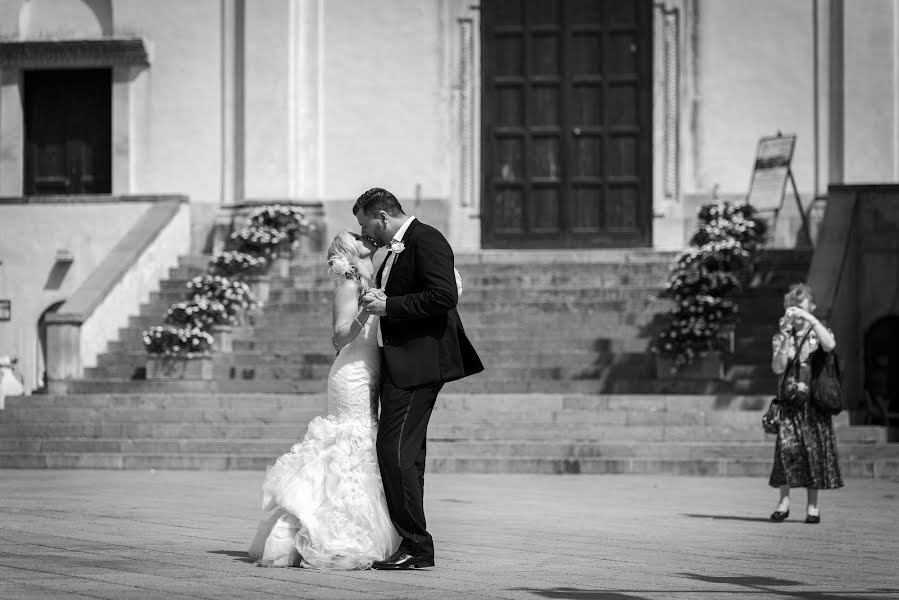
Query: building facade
[[513, 124]]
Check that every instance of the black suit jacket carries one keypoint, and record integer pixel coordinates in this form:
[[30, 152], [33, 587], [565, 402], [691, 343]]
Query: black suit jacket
[[424, 342]]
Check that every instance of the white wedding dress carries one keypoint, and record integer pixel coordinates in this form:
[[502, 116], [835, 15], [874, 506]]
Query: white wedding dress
[[324, 501]]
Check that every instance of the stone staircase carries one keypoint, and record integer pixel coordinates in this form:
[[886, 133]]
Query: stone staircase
[[472, 433], [544, 322], [569, 386]]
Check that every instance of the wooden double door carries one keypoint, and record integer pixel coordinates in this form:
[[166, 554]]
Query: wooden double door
[[566, 123], [68, 131]]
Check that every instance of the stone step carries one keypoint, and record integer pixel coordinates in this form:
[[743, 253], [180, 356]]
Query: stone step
[[447, 401], [862, 468], [481, 383], [293, 370], [498, 421], [470, 295], [497, 352], [777, 256], [474, 278], [440, 449], [438, 430]]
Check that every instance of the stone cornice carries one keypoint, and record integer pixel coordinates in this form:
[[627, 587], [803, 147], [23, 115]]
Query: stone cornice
[[91, 199], [55, 54]]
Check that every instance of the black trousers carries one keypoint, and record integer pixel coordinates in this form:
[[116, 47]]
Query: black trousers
[[402, 449]]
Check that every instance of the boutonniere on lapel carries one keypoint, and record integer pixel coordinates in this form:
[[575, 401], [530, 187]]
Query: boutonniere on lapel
[[396, 247]]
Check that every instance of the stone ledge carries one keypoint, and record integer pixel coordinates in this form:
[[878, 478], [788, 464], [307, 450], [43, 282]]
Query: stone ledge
[[99, 52], [91, 199]]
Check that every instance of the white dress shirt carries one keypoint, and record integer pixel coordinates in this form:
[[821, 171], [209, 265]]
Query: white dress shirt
[[397, 237]]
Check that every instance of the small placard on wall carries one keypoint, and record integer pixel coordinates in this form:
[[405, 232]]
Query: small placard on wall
[[5, 310]]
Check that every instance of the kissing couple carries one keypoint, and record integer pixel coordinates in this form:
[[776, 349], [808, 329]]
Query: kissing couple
[[350, 495]]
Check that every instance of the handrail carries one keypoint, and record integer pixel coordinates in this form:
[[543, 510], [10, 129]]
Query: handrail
[[109, 272]]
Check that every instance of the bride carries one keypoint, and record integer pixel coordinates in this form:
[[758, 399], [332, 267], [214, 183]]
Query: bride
[[323, 501]]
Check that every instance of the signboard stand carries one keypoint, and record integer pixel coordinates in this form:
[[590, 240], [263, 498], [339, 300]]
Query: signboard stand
[[769, 179]]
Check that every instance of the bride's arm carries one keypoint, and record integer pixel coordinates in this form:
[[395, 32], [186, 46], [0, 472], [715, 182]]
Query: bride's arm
[[348, 319]]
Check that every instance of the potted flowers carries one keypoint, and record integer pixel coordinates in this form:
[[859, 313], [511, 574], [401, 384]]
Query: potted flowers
[[234, 296], [236, 282], [704, 281], [178, 352], [238, 264], [207, 314], [291, 220], [246, 267]]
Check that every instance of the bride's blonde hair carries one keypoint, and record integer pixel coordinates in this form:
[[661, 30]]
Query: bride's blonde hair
[[343, 261]]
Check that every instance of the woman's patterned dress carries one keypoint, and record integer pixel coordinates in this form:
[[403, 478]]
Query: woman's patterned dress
[[805, 454]]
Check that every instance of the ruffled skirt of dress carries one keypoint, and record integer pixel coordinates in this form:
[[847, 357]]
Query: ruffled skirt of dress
[[324, 501]]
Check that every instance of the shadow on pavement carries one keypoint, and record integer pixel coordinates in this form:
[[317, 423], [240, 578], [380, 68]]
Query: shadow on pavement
[[580, 594], [738, 518], [240, 556], [766, 584]]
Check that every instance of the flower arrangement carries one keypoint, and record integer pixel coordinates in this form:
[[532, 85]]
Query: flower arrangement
[[259, 240], [219, 297], [341, 267], [200, 312], [234, 295], [291, 220], [706, 277], [232, 263], [167, 340]]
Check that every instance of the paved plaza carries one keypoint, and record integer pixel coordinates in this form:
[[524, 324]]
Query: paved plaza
[[176, 534]]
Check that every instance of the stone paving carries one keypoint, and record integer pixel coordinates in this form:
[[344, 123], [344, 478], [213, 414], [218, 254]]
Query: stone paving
[[176, 534]]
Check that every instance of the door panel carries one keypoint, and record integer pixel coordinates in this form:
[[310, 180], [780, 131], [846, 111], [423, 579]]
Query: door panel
[[566, 123]]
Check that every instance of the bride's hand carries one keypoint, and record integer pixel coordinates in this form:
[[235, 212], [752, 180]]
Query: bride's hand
[[375, 302]]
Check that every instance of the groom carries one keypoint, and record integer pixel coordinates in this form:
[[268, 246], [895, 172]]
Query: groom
[[424, 346]]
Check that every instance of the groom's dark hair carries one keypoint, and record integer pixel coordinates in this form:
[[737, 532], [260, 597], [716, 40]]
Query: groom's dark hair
[[375, 200]]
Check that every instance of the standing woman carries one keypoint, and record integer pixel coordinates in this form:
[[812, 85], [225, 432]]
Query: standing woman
[[806, 450]]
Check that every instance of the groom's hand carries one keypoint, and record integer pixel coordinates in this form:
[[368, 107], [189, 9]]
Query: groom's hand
[[375, 302]]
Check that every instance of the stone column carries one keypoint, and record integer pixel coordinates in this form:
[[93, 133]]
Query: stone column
[[12, 133]]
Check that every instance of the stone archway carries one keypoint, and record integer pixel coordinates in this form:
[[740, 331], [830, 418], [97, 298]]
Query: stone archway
[[64, 19], [40, 363]]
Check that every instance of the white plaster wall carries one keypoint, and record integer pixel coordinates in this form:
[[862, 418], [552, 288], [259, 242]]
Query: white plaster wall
[[385, 107], [30, 236], [177, 101], [870, 97], [266, 98], [134, 288], [755, 77], [9, 18]]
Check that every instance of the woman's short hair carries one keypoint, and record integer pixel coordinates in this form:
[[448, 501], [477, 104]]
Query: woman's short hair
[[373, 201], [797, 293]]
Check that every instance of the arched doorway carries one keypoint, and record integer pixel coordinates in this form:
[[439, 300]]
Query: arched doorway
[[40, 363], [882, 371]]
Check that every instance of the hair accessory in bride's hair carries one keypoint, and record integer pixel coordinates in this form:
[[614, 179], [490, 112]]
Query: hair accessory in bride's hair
[[458, 281], [339, 265]]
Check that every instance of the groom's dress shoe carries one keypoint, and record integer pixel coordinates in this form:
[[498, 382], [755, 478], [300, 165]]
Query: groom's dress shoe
[[401, 560]]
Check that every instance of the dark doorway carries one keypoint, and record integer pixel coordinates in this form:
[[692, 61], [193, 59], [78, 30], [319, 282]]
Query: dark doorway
[[566, 123], [882, 372], [68, 131]]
